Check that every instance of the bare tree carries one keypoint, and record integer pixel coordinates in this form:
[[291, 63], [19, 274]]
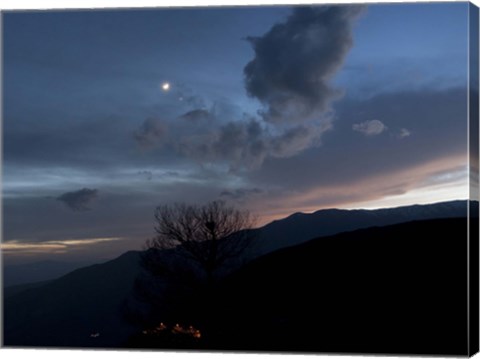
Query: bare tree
[[211, 235]]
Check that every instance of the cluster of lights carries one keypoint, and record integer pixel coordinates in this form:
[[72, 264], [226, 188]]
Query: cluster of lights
[[176, 329]]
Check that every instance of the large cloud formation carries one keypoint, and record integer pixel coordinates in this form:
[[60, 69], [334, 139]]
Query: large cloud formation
[[290, 74], [295, 61]]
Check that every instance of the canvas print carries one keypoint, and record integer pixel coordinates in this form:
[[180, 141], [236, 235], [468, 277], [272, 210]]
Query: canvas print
[[298, 179]]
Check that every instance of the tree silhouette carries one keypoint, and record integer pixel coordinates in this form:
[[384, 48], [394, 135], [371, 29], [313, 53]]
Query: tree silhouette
[[209, 236]]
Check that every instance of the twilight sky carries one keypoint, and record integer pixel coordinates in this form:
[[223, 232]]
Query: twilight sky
[[107, 114]]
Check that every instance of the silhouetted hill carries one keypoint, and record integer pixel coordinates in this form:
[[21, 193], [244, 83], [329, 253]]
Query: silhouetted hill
[[300, 227], [66, 311], [394, 289]]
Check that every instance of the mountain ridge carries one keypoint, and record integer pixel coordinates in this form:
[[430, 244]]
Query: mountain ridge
[[91, 299], [300, 227], [283, 232]]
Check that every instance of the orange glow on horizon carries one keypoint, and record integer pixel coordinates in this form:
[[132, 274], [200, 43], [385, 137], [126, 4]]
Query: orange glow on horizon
[[437, 181]]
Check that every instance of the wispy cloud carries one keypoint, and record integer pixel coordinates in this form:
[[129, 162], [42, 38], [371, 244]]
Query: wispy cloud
[[370, 127], [404, 133]]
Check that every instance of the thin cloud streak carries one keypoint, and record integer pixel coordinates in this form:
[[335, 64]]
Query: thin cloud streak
[[19, 247]]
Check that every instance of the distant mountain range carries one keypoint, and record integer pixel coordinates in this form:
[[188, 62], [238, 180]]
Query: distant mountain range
[[71, 310], [300, 227], [17, 274], [292, 230]]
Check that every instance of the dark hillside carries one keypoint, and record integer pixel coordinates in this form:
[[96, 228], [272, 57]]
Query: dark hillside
[[395, 289]]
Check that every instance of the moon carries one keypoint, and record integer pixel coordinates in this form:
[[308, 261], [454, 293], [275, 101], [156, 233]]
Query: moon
[[166, 86]]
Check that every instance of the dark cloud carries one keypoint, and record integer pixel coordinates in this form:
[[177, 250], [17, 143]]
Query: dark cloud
[[151, 132], [295, 61], [79, 200], [197, 115], [238, 143], [246, 144]]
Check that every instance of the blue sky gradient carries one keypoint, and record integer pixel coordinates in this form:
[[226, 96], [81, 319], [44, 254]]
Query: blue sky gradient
[[84, 109]]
